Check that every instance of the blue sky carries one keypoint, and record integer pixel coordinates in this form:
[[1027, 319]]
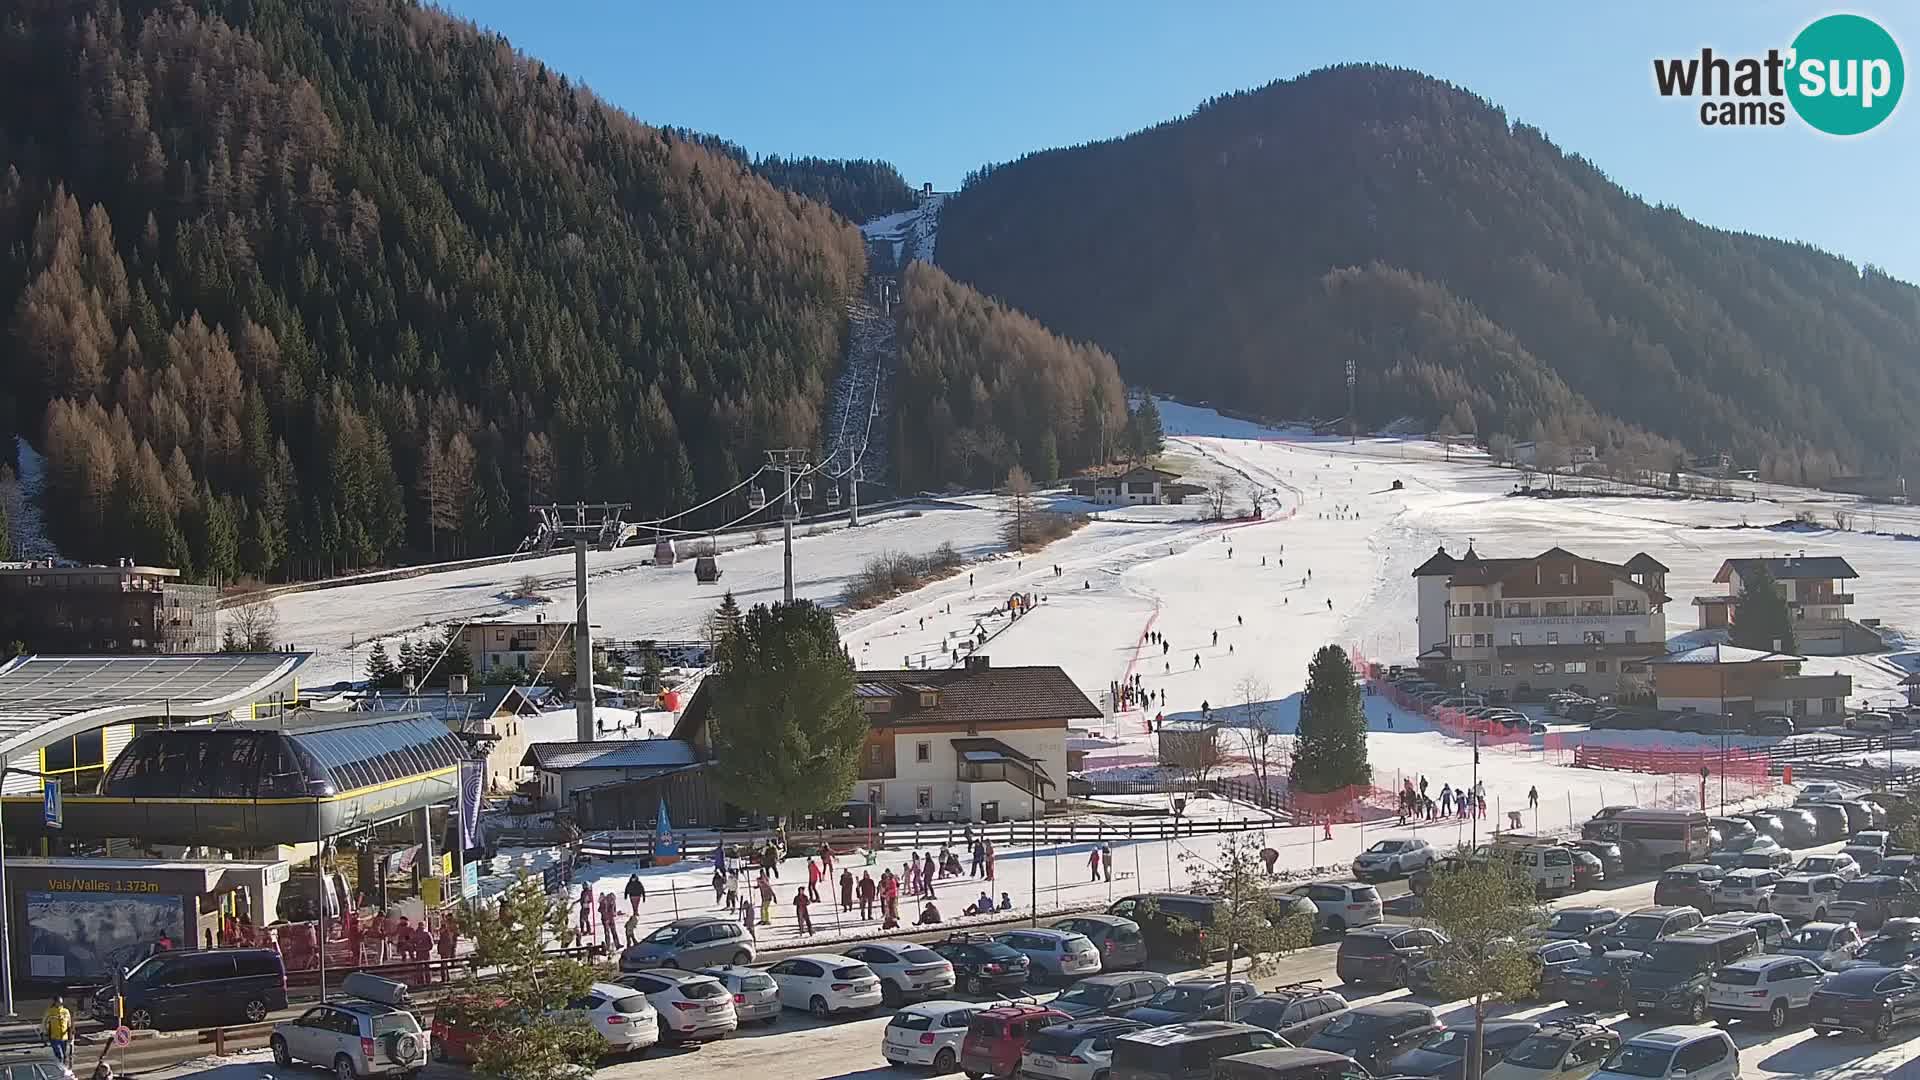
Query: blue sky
[[938, 89]]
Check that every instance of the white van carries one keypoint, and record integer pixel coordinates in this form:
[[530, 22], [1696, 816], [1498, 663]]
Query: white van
[[1549, 866]]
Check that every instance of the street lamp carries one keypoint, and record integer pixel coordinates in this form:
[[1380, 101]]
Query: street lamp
[[320, 789]]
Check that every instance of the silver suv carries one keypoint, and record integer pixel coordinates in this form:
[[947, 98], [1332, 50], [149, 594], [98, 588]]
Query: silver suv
[[354, 1039], [690, 943]]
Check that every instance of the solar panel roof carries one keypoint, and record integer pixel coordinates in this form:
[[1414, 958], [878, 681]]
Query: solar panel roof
[[39, 694]]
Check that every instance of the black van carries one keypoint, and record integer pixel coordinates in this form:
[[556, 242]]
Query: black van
[[1174, 924], [192, 987], [1674, 976], [1185, 1051]]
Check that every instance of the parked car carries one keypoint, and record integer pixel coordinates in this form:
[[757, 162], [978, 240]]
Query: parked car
[[1074, 1050], [190, 987], [1765, 858], [756, 997], [1773, 724], [1384, 953], [1869, 858], [1877, 839], [1588, 870], [1882, 950], [694, 942], [1819, 789], [1568, 1049], [1871, 900], [692, 1008], [1803, 829], [1184, 1051], [1839, 864], [1770, 927], [1612, 860], [1735, 833], [1600, 980], [1443, 1055], [1827, 944], [353, 1038], [928, 1033], [1110, 993], [1673, 1053], [981, 964], [1870, 1000], [1767, 823], [1673, 979], [1900, 866], [1295, 1013], [1375, 1034], [456, 1029], [998, 1035], [1173, 924], [908, 971], [1122, 946], [1690, 884], [1769, 988], [1055, 956], [1874, 720], [1287, 1063], [826, 983], [1832, 818], [1745, 890], [1392, 859], [622, 1016], [1576, 923], [1201, 998], [1644, 926], [1343, 905], [1555, 958]]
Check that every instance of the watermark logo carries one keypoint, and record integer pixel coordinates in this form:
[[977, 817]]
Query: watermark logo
[[1842, 75]]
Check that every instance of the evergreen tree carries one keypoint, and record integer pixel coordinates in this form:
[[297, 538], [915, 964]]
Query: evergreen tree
[[381, 674], [1144, 434], [724, 621], [1330, 747], [1763, 620], [786, 730], [454, 657], [6, 532], [1047, 469], [214, 540], [409, 664]]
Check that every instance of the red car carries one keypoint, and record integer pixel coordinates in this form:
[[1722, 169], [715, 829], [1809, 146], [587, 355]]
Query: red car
[[454, 1033], [998, 1036]]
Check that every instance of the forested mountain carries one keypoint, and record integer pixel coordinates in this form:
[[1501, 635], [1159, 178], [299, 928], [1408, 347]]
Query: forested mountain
[[858, 189], [295, 286], [981, 388], [1471, 269]]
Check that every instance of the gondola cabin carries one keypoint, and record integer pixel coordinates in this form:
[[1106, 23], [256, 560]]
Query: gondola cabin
[[706, 570], [663, 553]]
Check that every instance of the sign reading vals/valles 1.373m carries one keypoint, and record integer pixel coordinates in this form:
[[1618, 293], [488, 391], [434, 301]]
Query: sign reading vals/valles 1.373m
[[1842, 75]]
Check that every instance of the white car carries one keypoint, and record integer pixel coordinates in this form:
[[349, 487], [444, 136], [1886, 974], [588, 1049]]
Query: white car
[[1764, 988], [1053, 955], [1343, 905], [1806, 896], [1819, 790], [1080, 1050], [621, 1015], [1745, 890], [826, 983], [1670, 1053], [1826, 944], [908, 971], [690, 1007], [353, 1038], [1392, 859], [929, 1033], [1839, 863]]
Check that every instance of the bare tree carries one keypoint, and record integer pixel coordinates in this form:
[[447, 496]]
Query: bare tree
[[1218, 498], [1255, 737], [1193, 751], [1018, 490], [1258, 496], [1549, 458], [251, 628]]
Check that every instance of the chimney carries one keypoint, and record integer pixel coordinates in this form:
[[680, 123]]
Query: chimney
[[456, 684], [539, 617], [979, 662]]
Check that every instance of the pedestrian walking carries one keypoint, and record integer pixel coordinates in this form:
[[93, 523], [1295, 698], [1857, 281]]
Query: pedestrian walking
[[1093, 864], [866, 891], [719, 887], [1106, 860], [609, 912], [801, 901], [1216, 639], [633, 928], [813, 880], [990, 858], [57, 1026], [636, 892], [846, 890], [1196, 661], [746, 917], [733, 889], [586, 912], [1533, 798], [766, 899]]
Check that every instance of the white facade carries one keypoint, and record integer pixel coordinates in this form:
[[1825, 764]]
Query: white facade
[[926, 784], [1431, 617]]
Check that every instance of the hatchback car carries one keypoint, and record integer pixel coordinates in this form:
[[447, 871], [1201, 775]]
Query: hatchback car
[[1745, 890], [690, 943], [1575, 923], [353, 1038], [1870, 1000], [1056, 956], [1203, 998], [622, 1016], [756, 997], [1122, 946], [1373, 1035], [1343, 905], [1871, 900], [1803, 829], [1295, 1013], [1569, 1049], [1692, 884], [1588, 870], [1826, 944], [1764, 988], [928, 1033], [826, 983], [1384, 953], [998, 1035], [1736, 834], [1075, 1050], [907, 971], [1613, 861], [1287, 1063], [1110, 993], [691, 1008], [1767, 824], [1806, 896], [981, 964], [1554, 959], [1392, 859], [1670, 1053], [1443, 1054], [1764, 858]]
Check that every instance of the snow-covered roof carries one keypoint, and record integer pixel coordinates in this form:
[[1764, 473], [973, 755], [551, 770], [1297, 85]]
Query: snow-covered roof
[[623, 754], [48, 697], [1723, 654]]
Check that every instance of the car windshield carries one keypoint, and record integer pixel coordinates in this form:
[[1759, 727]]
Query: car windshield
[[1575, 921], [1638, 1060], [914, 954], [701, 989], [1811, 937], [1640, 926], [1180, 999], [1540, 1052], [663, 936], [1387, 847], [1085, 994], [1678, 957], [1452, 1042]]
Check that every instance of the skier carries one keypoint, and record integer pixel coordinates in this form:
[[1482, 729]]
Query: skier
[[1196, 661], [1329, 603], [1533, 798], [1241, 619], [1446, 799], [1164, 646], [1216, 639]]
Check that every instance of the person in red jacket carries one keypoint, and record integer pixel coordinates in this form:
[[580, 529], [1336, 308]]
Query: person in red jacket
[[813, 880]]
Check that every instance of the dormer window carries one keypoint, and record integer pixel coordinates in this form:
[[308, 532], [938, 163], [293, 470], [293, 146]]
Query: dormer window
[[929, 699]]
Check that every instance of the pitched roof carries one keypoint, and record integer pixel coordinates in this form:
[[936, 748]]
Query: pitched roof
[[980, 694], [1474, 570], [627, 754], [1438, 564], [1722, 654], [1643, 563], [1789, 568]]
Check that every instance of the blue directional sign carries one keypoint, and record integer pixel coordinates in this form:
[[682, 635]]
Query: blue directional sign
[[50, 813]]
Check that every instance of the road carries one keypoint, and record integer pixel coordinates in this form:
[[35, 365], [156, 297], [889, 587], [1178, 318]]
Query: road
[[800, 1048]]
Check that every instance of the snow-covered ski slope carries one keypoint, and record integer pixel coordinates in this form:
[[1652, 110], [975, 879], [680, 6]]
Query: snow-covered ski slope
[[911, 232], [1136, 567]]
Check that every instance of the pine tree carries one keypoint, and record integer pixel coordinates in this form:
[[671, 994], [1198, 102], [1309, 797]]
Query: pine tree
[[1330, 750], [724, 621], [1763, 620], [1143, 429], [454, 657], [1049, 463], [381, 674], [786, 730], [6, 531], [408, 664]]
